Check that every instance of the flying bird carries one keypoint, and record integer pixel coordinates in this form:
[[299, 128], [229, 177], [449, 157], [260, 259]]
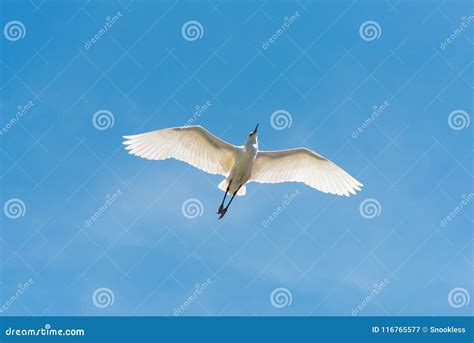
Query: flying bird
[[241, 164]]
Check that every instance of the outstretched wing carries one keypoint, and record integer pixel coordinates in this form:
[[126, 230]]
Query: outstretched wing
[[191, 144], [303, 165]]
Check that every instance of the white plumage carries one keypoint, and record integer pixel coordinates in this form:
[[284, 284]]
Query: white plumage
[[201, 149], [303, 165], [191, 144]]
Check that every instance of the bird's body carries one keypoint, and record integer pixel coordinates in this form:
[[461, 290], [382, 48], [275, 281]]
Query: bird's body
[[240, 165], [241, 170]]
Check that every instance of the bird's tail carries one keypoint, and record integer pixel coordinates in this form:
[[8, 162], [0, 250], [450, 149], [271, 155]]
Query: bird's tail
[[223, 186]]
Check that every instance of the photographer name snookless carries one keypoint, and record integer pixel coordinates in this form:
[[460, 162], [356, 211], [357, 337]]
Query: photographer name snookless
[[417, 329]]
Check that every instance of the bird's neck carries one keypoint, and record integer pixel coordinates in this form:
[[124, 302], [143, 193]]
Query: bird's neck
[[251, 147]]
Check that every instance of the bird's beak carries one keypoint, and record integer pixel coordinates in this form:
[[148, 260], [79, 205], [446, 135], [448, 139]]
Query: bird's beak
[[255, 131]]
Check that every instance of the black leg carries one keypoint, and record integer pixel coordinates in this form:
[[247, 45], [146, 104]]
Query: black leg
[[221, 208], [224, 211]]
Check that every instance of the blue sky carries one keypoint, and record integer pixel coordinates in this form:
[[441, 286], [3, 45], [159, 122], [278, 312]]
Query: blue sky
[[323, 255]]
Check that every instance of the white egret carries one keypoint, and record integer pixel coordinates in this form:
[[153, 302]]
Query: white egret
[[241, 164]]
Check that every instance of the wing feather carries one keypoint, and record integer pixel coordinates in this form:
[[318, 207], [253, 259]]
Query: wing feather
[[303, 165], [191, 144]]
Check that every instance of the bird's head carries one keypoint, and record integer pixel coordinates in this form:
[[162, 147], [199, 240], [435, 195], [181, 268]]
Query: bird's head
[[253, 137]]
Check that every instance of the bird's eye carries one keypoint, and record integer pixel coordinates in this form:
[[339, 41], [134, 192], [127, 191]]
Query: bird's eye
[[250, 134]]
